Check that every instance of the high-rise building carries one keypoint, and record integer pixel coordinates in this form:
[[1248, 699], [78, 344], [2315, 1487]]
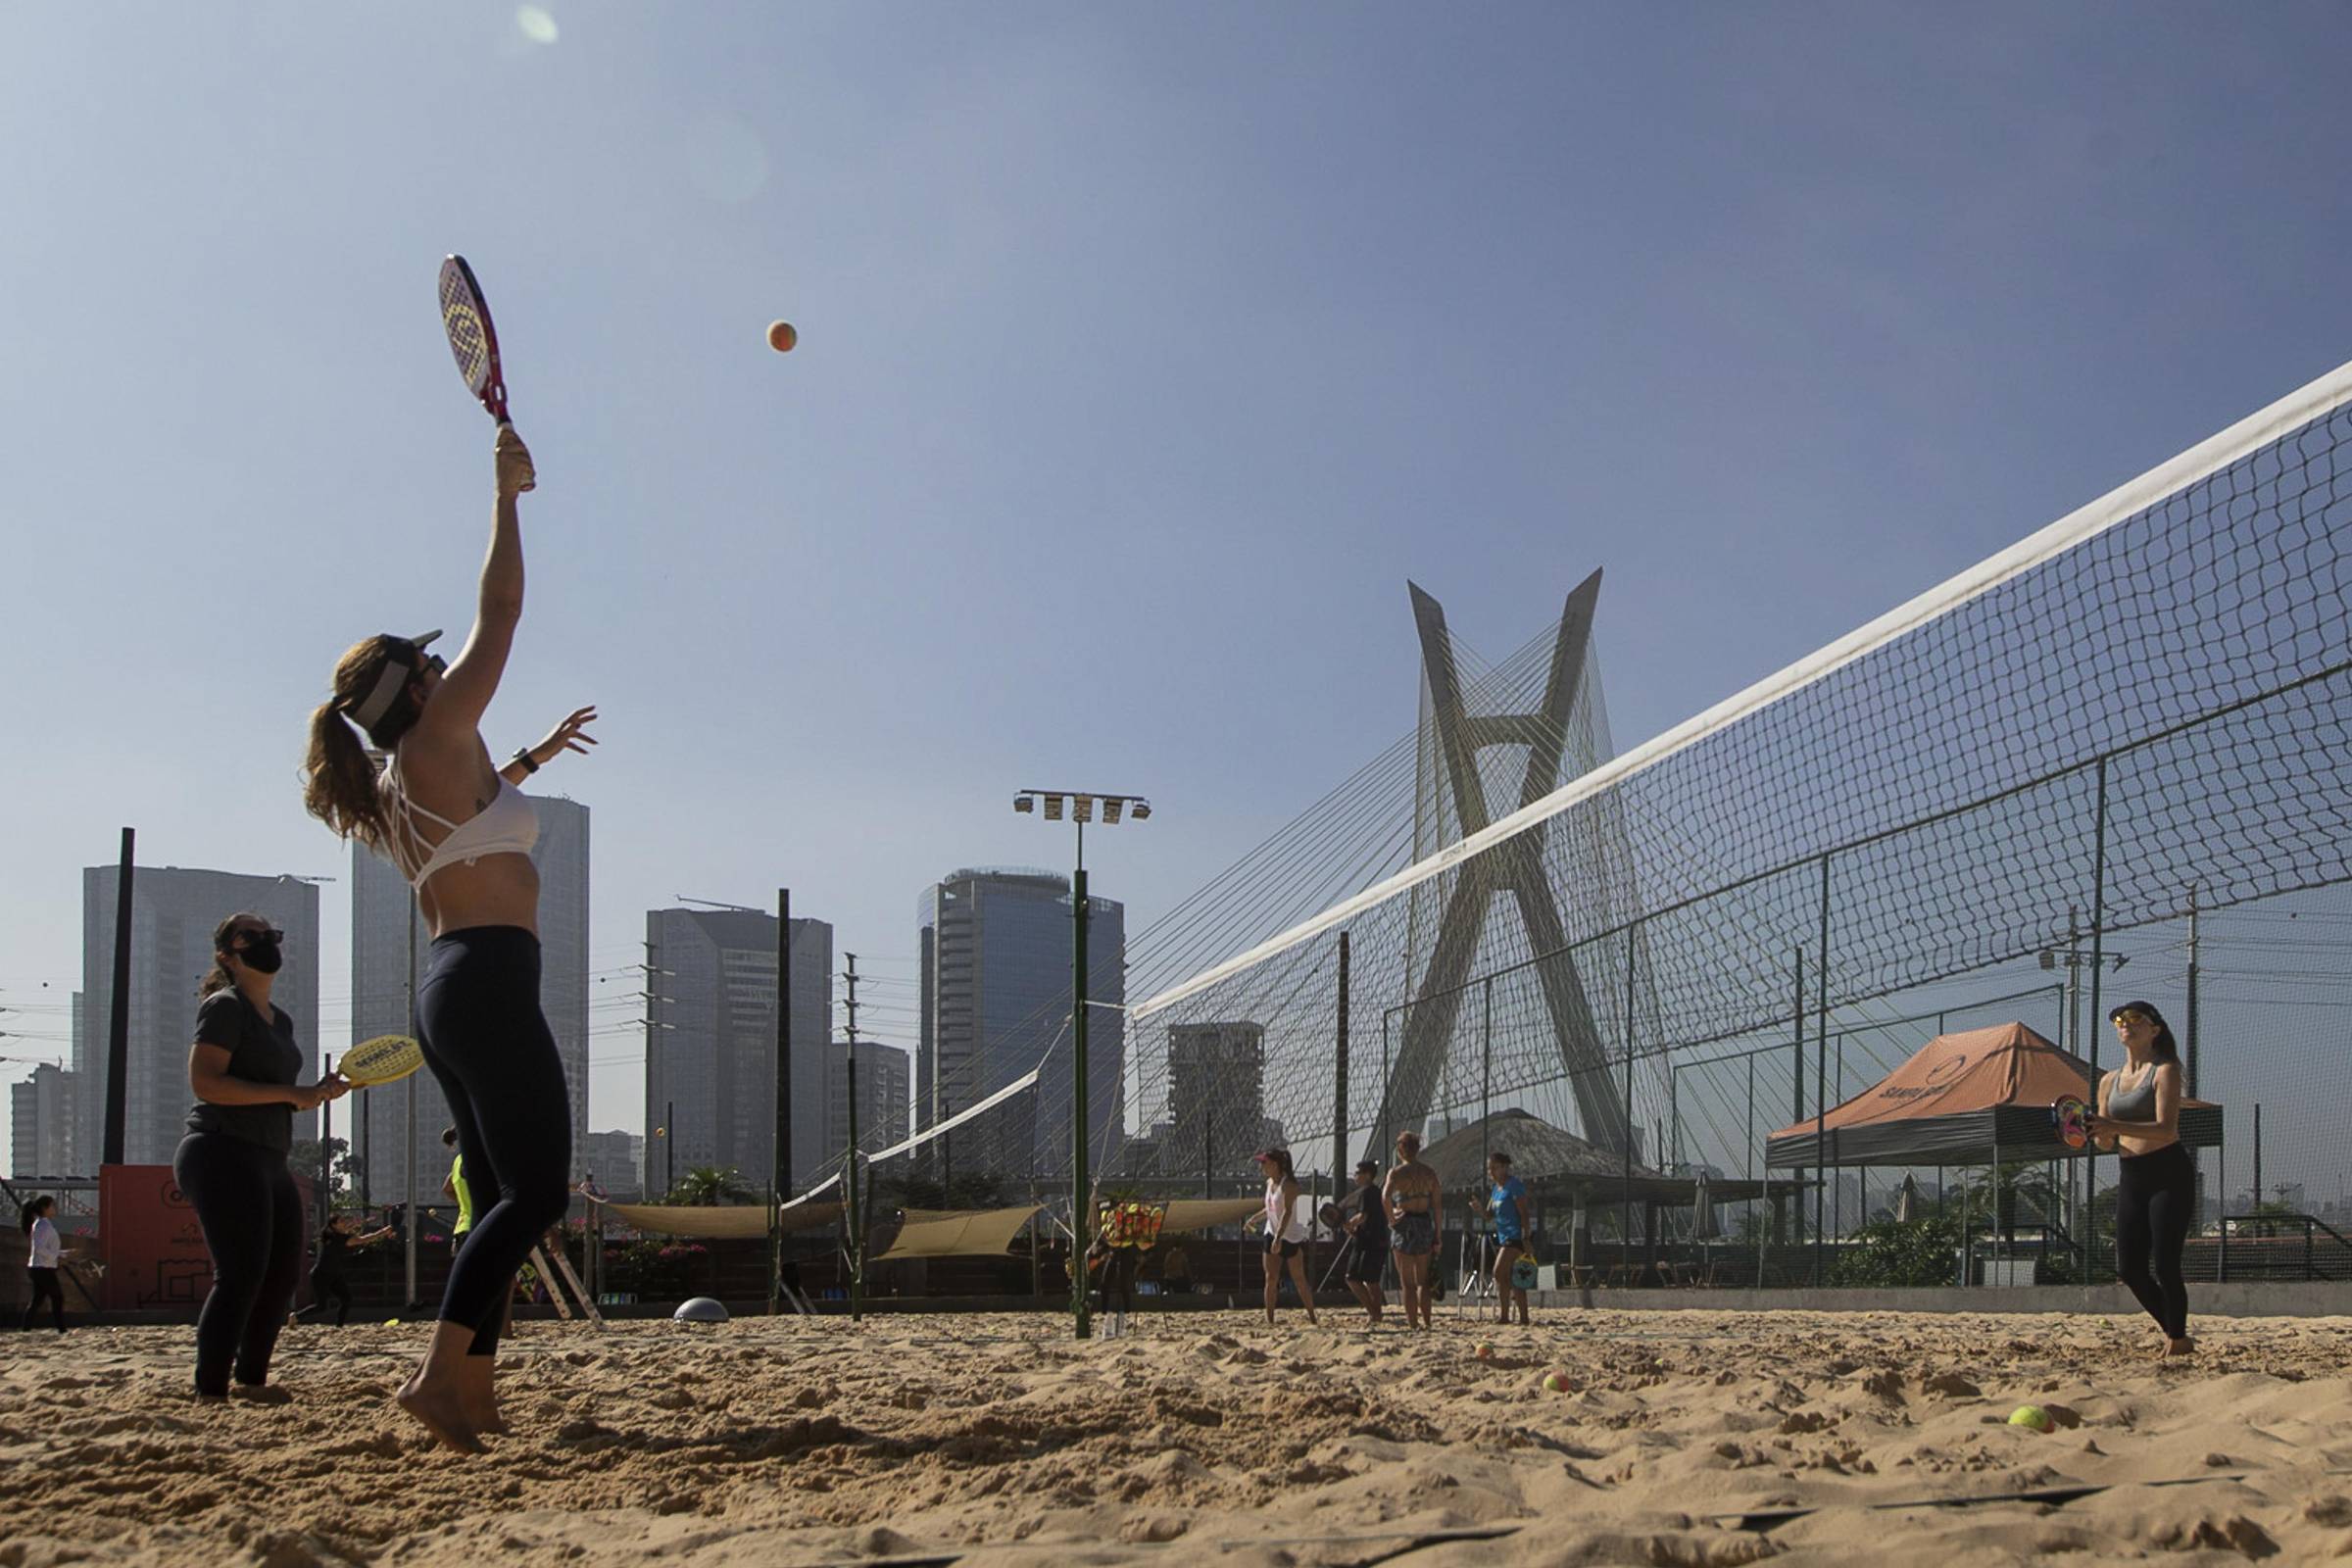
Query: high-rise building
[[43, 1124], [884, 1110], [710, 1042], [995, 954], [616, 1160], [172, 915], [383, 921], [1216, 1097]]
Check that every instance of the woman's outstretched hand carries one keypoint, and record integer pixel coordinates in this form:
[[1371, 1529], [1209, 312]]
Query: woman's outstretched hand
[[569, 736], [515, 471]]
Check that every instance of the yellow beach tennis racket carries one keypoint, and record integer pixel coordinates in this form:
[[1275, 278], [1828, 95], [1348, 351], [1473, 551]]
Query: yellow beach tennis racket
[[385, 1060]]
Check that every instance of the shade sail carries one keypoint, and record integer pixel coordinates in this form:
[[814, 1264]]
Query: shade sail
[[1963, 1098], [958, 1233], [736, 1223], [1203, 1213]]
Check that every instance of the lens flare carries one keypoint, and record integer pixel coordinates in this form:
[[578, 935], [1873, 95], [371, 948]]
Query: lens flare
[[535, 23]]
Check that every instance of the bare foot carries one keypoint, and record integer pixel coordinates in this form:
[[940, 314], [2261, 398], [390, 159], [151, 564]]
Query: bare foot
[[437, 1410], [2181, 1347]]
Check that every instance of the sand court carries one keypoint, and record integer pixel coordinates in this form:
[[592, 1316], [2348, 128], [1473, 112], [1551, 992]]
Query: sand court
[[1704, 1438]]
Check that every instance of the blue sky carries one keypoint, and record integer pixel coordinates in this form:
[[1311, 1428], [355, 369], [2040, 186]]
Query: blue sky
[[1146, 352]]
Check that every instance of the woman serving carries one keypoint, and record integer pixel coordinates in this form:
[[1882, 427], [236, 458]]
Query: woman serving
[[462, 832]]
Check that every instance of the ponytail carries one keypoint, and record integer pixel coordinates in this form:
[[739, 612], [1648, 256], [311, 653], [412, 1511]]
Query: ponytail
[[338, 783], [338, 777], [31, 1210], [218, 977]]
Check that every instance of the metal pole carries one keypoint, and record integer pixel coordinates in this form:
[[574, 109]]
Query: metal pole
[[118, 1023], [1797, 1098], [1338, 1103], [2259, 1230], [1080, 1214], [1486, 1087], [848, 1177], [1625, 1223], [779, 1178], [1820, 1053], [326, 1153], [2098, 1019], [669, 1147], [408, 1213], [2189, 1022]]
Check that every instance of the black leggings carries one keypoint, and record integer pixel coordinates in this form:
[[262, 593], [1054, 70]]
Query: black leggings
[[2155, 1198], [252, 1218], [45, 1284], [488, 1044], [326, 1283]]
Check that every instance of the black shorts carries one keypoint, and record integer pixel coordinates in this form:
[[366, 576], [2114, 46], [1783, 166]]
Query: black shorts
[[1275, 1244], [1368, 1261]]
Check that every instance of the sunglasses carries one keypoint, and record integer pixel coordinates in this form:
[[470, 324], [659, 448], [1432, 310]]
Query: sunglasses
[[260, 934], [2131, 1018]]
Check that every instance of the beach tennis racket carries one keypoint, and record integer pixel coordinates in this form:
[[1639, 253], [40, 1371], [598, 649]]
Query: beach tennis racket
[[472, 340], [2066, 1115], [385, 1060], [1328, 1214]]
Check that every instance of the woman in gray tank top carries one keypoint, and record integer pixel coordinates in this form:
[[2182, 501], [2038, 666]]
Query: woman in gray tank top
[[2155, 1200]]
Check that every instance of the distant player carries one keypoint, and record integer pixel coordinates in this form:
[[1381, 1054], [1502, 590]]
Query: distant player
[[1285, 1232], [1367, 1223], [1506, 1204], [1416, 1201]]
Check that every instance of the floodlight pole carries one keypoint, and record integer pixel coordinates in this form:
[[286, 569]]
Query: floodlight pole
[[1082, 810], [1081, 1210]]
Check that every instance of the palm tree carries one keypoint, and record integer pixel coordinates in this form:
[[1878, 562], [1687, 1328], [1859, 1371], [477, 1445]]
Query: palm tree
[[708, 1185]]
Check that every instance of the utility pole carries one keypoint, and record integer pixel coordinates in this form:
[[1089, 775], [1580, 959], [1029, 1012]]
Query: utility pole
[[849, 1160]]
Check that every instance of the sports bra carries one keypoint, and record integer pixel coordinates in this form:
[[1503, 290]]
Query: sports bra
[[508, 825]]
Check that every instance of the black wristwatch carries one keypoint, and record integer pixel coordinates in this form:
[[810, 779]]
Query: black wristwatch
[[530, 764]]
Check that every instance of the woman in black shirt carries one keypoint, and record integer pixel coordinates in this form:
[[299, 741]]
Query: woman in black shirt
[[232, 1163]]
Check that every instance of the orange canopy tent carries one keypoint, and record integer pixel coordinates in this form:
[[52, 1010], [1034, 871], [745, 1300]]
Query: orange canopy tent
[[1964, 1099]]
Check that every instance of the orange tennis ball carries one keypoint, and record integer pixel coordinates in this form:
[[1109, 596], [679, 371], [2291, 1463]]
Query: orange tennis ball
[[781, 337]]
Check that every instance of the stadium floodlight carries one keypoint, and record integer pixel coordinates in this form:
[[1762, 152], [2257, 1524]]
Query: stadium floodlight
[[1083, 813]]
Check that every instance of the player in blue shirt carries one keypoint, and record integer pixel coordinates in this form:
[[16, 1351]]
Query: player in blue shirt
[[1507, 1204]]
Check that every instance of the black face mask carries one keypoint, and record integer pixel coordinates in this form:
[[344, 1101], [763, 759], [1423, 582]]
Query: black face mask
[[262, 955]]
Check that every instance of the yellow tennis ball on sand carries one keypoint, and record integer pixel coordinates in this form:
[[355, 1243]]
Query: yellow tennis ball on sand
[[782, 336], [1484, 1353], [2031, 1415]]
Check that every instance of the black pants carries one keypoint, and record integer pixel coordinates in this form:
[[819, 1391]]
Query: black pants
[[251, 1217], [44, 1283], [2155, 1198], [330, 1281], [489, 1046]]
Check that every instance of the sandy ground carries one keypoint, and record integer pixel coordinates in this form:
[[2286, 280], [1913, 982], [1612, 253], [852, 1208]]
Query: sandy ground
[[1205, 1437]]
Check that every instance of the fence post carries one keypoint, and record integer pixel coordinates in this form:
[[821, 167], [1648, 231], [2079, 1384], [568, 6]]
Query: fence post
[[1338, 1103], [2099, 969], [1796, 1096], [1625, 1220], [1820, 1059]]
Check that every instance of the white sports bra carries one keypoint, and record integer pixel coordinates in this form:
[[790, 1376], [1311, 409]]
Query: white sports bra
[[508, 825]]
